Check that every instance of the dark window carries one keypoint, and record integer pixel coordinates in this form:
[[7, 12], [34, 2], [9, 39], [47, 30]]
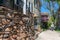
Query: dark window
[[35, 21], [18, 3], [35, 2], [32, 7], [12, 3], [1, 2], [29, 7]]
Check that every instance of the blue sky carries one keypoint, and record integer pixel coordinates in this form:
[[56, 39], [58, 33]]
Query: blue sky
[[44, 9]]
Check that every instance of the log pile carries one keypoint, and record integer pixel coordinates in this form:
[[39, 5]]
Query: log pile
[[16, 26]]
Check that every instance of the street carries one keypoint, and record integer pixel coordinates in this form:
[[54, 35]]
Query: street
[[49, 35]]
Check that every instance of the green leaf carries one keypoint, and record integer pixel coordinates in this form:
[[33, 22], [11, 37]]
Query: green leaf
[[58, 1]]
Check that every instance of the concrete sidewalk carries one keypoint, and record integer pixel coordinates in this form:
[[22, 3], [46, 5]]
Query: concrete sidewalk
[[49, 35]]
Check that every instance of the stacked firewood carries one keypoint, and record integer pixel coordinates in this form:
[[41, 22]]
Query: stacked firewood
[[16, 26]]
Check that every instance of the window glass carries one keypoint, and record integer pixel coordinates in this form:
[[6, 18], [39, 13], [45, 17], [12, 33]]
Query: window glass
[[1, 2]]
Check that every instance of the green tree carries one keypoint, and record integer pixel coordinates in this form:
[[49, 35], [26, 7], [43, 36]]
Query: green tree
[[51, 7]]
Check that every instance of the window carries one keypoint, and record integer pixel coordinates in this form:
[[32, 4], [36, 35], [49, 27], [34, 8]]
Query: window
[[21, 3], [35, 21], [35, 3], [18, 3], [32, 7], [26, 5], [12, 3], [15, 1], [29, 6], [1, 2]]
